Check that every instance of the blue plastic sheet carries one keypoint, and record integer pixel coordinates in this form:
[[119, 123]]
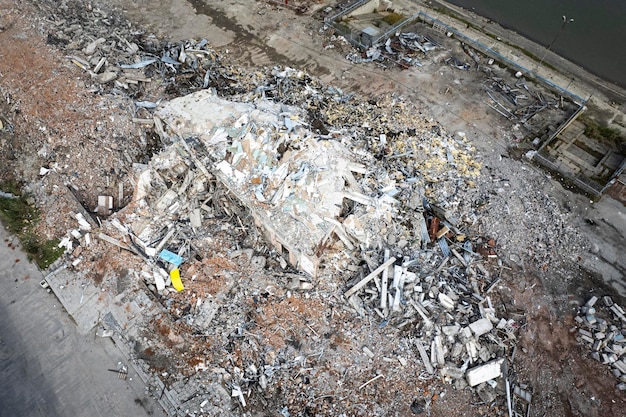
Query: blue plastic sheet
[[170, 257]]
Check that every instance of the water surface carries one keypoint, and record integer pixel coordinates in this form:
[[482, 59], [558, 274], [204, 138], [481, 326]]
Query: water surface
[[595, 40]]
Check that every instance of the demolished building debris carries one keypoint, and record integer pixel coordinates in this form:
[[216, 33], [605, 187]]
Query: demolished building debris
[[318, 207], [291, 248], [600, 327], [423, 41], [333, 183]]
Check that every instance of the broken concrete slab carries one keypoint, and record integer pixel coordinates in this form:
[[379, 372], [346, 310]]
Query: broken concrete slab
[[484, 373], [81, 299], [481, 326], [304, 187]]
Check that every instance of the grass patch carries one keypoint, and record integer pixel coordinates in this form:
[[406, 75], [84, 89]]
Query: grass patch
[[595, 130], [20, 218], [393, 18]]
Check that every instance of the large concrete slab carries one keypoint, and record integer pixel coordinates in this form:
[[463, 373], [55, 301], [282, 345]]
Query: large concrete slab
[[82, 300]]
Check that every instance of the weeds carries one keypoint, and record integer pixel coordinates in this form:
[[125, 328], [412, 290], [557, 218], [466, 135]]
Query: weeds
[[393, 18], [602, 133], [20, 218]]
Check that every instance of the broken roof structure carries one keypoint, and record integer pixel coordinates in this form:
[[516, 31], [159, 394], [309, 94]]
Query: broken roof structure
[[303, 189], [294, 184], [308, 195]]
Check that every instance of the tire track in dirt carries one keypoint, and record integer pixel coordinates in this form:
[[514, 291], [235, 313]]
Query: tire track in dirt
[[253, 48]]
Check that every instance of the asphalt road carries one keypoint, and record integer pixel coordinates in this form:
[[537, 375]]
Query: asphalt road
[[46, 367]]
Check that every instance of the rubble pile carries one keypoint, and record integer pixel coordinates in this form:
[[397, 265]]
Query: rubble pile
[[122, 61], [491, 202], [228, 165], [281, 154], [601, 329], [301, 187], [513, 100], [294, 185], [496, 208], [266, 195], [522, 104], [271, 159], [404, 50], [442, 294]]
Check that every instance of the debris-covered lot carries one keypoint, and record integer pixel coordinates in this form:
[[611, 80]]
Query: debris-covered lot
[[271, 244]]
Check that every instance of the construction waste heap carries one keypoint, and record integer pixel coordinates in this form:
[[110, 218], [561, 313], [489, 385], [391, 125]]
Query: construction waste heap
[[270, 213], [291, 248]]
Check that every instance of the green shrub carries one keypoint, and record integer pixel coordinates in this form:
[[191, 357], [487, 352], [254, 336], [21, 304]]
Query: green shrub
[[594, 130], [393, 18], [20, 218]]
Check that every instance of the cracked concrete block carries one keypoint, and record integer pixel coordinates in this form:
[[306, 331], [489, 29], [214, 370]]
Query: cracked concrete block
[[484, 373], [481, 326]]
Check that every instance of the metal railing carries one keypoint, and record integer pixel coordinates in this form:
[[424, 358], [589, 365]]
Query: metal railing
[[585, 184], [615, 177], [496, 55], [397, 26], [330, 20], [351, 36], [562, 127], [355, 38]]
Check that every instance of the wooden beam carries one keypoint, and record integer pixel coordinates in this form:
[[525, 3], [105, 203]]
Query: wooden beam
[[368, 278]]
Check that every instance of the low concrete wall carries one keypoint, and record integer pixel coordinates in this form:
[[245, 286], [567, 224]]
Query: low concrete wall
[[369, 7]]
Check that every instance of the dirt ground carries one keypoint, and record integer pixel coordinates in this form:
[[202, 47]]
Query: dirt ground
[[55, 116]]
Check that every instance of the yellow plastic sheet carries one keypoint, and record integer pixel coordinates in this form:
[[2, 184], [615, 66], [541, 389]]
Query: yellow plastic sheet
[[176, 282]]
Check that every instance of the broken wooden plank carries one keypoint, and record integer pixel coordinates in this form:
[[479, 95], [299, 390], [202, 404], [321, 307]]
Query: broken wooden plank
[[442, 232], [424, 356], [167, 237], [149, 122], [350, 180], [358, 197], [99, 65], [368, 278], [397, 285], [422, 312], [371, 380], [113, 241], [385, 283], [340, 232], [458, 256], [508, 397], [618, 312]]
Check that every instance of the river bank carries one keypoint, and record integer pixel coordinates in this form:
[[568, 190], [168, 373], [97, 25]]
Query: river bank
[[606, 100], [587, 38], [532, 51]]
